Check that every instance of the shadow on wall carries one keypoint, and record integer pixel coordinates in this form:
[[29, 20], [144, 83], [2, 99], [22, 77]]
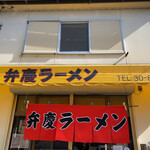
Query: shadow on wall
[[141, 114], [69, 59]]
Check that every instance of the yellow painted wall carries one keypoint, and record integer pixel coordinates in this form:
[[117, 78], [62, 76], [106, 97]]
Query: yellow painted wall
[[142, 114], [6, 102]]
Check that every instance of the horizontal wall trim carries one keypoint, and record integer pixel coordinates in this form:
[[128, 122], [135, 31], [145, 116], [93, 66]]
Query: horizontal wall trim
[[66, 2], [79, 6]]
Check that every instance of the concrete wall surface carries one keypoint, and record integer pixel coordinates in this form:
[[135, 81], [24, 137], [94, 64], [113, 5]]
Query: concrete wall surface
[[135, 28]]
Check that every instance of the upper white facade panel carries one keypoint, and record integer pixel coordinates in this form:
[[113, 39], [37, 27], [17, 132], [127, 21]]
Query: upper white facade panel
[[116, 32]]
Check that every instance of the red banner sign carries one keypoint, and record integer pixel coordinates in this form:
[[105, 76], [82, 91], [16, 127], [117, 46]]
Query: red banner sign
[[78, 123]]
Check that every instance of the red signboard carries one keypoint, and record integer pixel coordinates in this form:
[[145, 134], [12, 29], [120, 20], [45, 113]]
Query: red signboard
[[78, 123]]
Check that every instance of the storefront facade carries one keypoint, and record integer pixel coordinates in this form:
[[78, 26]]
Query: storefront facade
[[109, 66]]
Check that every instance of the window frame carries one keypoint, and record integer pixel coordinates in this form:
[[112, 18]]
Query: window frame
[[123, 51]]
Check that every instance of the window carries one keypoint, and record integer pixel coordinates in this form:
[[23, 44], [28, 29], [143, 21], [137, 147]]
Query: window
[[106, 36], [42, 37], [74, 37]]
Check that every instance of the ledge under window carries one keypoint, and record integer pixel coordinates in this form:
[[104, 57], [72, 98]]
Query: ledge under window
[[73, 53]]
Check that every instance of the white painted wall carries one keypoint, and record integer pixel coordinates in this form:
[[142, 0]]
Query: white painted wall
[[135, 26]]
